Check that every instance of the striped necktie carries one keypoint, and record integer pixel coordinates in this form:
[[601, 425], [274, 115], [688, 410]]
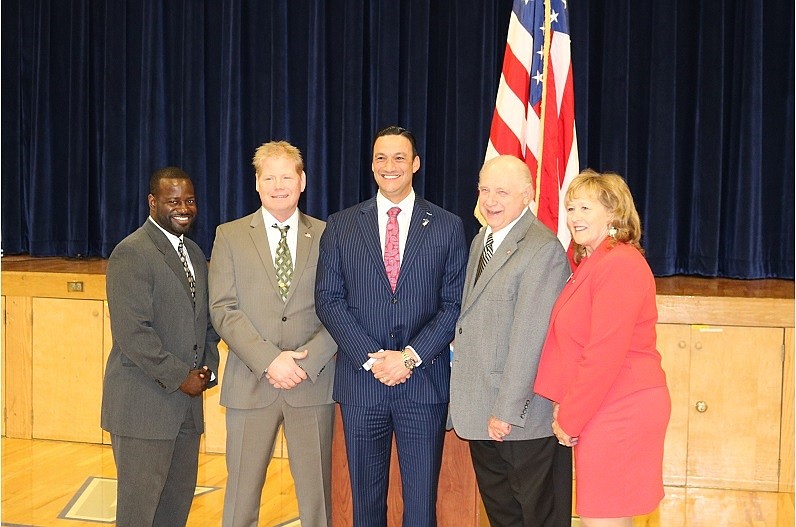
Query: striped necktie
[[485, 256]]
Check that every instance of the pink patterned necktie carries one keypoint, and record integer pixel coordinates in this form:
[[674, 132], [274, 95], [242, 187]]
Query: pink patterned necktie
[[392, 256]]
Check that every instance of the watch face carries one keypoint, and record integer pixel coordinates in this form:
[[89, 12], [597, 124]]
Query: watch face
[[409, 362]]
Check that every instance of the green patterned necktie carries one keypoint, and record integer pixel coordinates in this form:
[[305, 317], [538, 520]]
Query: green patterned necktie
[[283, 262]]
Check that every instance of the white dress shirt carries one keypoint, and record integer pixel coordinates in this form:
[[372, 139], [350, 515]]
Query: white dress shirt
[[175, 241], [407, 205], [274, 235], [499, 236]]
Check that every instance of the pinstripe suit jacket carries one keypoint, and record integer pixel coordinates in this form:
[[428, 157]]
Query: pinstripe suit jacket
[[354, 300], [501, 331], [257, 325], [156, 331]]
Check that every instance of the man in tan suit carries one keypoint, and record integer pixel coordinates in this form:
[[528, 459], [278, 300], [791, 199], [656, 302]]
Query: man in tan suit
[[280, 367]]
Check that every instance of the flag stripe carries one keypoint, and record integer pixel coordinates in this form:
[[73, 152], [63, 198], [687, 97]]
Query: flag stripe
[[531, 72]]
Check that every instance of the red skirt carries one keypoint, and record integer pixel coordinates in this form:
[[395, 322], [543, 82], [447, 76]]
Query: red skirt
[[619, 457]]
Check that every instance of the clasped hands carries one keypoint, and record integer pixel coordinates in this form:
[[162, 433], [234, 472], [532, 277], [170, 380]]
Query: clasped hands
[[389, 368], [563, 438], [284, 372], [196, 381]]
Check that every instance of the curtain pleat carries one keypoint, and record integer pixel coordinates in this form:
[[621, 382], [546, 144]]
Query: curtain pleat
[[692, 102]]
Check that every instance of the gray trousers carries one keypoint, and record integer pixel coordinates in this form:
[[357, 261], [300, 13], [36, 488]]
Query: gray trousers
[[156, 478]]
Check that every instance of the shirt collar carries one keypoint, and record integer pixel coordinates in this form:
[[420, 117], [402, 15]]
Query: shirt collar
[[499, 236], [292, 221], [174, 239], [406, 205]]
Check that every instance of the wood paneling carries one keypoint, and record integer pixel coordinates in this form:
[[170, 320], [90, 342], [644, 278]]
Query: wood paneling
[[53, 285], [458, 501], [19, 361], [55, 264], [67, 369], [724, 287], [681, 301], [107, 344], [714, 507], [737, 372], [215, 437], [786, 476], [674, 344], [3, 363], [724, 311]]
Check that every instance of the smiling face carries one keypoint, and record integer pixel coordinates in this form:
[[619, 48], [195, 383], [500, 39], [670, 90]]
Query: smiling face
[[504, 191], [173, 207], [394, 166], [280, 185], [588, 221]]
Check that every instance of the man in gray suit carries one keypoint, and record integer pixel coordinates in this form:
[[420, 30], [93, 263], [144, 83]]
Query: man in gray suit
[[515, 272], [280, 367], [163, 357]]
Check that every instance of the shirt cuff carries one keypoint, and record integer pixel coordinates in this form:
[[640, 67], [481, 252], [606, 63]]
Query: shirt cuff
[[368, 364]]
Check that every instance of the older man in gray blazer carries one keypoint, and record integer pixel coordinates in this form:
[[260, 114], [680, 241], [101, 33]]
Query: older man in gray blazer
[[280, 367], [164, 356], [515, 272]]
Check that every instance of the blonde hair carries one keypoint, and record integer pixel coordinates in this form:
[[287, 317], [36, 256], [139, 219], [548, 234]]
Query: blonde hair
[[277, 149], [614, 194]]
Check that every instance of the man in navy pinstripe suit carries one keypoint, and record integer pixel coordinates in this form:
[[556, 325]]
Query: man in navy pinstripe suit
[[392, 323]]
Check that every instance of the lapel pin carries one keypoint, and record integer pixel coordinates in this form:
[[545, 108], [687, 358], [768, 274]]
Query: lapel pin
[[425, 222], [307, 235]]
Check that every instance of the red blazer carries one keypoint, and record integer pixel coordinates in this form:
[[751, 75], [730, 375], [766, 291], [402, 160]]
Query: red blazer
[[600, 344]]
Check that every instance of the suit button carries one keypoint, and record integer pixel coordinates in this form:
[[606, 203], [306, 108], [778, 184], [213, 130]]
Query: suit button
[[460, 331], [284, 319], [194, 347], [394, 300], [392, 335]]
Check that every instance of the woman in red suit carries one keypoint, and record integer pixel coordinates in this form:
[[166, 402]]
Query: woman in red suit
[[600, 366]]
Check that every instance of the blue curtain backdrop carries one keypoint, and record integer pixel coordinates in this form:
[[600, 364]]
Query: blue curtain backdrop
[[691, 101]]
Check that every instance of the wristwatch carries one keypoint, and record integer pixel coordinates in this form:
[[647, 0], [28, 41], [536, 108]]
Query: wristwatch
[[409, 361]]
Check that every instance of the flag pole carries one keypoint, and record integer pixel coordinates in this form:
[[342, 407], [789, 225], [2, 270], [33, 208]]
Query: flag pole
[[543, 110]]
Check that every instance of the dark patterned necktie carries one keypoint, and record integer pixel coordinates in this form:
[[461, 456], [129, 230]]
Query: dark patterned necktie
[[485, 256], [283, 262], [188, 274], [392, 255], [191, 281]]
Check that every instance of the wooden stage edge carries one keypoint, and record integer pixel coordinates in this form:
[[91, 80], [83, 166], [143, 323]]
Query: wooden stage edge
[[679, 285]]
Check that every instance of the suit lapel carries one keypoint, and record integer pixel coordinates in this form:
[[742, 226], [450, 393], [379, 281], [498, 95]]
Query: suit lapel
[[260, 240], [303, 246], [576, 280], [502, 254], [418, 227], [476, 249], [170, 256], [368, 224]]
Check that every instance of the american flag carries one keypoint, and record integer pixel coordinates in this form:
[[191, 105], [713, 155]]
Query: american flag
[[534, 115]]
